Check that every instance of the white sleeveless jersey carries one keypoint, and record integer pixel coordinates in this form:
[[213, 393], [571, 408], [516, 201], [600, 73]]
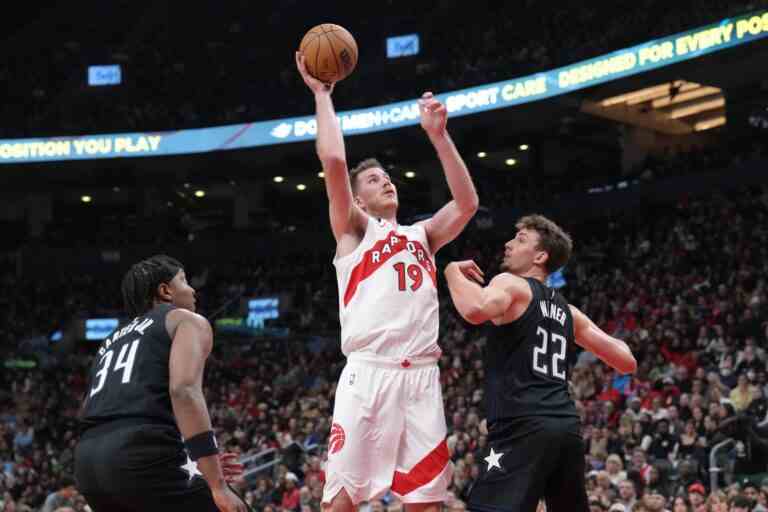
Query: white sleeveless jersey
[[388, 293]]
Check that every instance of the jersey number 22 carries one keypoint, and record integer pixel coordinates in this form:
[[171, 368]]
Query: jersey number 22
[[540, 353]]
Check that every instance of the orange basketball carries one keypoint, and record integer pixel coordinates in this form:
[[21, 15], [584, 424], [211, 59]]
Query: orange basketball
[[330, 52]]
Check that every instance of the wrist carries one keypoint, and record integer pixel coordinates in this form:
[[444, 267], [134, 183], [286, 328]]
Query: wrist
[[217, 484], [440, 138], [322, 94]]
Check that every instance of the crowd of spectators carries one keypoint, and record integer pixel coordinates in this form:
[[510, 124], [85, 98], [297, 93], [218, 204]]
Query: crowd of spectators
[[684, 286], [241, 55]]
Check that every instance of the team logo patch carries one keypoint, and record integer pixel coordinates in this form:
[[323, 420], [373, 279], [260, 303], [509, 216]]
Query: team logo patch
[[336, 440]]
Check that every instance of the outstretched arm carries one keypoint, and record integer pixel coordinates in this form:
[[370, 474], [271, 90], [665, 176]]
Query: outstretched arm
[[473, 302], [345, 216], [612, 351], [451, 219]]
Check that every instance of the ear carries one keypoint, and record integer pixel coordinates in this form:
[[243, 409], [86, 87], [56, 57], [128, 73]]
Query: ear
[[359, 202], [164, 292], [541, 259]]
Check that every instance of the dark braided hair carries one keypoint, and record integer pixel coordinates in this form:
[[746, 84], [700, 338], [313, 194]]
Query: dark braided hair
[[142, 279]]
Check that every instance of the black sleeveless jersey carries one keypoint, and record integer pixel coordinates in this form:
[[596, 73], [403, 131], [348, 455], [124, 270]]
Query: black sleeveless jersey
[[528, 361], [130, 375]]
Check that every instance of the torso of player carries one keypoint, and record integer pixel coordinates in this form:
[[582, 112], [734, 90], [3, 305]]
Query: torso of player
[[130, 374], [528, 360], [388, 302]]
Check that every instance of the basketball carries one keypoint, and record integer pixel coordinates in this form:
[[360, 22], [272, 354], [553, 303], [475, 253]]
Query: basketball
[[330, 52]]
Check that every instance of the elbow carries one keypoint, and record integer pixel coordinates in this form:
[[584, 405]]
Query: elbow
[[474, 315], [182, 391], [628, 365], [469, 206]]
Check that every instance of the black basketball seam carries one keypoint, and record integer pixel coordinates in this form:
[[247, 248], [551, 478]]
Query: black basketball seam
[[335, 58], [337, 36], [346, 46], [317, 56], [309, 41]]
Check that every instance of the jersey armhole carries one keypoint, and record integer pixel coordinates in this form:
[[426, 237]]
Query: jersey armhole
[[530, 307], [422, 225], [368, 231]]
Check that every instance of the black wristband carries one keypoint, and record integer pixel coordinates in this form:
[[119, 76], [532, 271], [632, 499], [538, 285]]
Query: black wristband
[[202, 445]]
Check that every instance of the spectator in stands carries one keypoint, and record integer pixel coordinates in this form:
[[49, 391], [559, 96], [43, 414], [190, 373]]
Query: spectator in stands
[[743, 394]]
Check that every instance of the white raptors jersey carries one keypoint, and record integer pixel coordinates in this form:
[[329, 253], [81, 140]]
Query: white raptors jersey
[[388, 293]]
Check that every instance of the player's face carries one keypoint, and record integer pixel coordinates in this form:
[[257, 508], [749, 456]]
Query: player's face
[[522, 252], [375, 191], [182, 294]]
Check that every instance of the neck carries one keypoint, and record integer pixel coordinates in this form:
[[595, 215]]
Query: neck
[[535, 273], [388, 215]]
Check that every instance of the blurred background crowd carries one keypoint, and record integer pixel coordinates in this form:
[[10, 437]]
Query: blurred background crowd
[[670, 253]]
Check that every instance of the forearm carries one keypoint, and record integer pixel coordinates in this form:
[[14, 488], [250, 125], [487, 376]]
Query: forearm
[[456, 172], [618, 355], [330, 142], [467, 295], [192, 418]]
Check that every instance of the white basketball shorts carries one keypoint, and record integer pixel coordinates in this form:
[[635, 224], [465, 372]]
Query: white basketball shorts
[[388, 432]]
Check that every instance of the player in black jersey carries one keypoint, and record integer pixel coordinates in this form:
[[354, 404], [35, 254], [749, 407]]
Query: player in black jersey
[[535, 446], [145, 395]]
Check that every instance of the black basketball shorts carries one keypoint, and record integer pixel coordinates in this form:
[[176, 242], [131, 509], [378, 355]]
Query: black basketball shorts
[[129, 465], [530, 459]]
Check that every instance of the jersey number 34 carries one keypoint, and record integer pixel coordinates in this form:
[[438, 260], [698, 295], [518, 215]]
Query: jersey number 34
[[124, 362]]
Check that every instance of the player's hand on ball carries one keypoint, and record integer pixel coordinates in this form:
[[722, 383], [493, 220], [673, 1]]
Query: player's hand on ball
[[313, 83], [434, 115], [470, 270], [231, 467]]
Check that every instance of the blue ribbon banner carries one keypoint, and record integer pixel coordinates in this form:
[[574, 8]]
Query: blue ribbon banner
[[630, 61]]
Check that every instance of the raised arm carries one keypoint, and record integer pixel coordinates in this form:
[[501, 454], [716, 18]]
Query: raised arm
[[345, 216], [451, 219], [612, 351], [477, 304]]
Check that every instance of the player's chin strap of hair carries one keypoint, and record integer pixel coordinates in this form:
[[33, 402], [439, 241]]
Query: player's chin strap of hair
[[202, 445]]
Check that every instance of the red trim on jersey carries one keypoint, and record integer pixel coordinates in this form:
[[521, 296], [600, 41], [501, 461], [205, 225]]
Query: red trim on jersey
[[367, 267], [423, 472]]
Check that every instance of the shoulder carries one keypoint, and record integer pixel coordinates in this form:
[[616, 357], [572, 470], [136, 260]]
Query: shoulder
[[511, 282], [177, 316]]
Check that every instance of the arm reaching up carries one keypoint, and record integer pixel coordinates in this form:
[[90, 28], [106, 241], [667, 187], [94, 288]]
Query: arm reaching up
[[451, 219], [346, 217]]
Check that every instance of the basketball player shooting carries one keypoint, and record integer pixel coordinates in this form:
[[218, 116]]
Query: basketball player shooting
[[534, 431], [389, 426]]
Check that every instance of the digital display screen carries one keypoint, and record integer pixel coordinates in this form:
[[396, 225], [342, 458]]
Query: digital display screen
[[402, 46], [100, 328], [105, 75], [262, 309]]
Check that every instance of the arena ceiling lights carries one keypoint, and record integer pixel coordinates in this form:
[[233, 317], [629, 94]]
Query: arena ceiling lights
[[675, 108]]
